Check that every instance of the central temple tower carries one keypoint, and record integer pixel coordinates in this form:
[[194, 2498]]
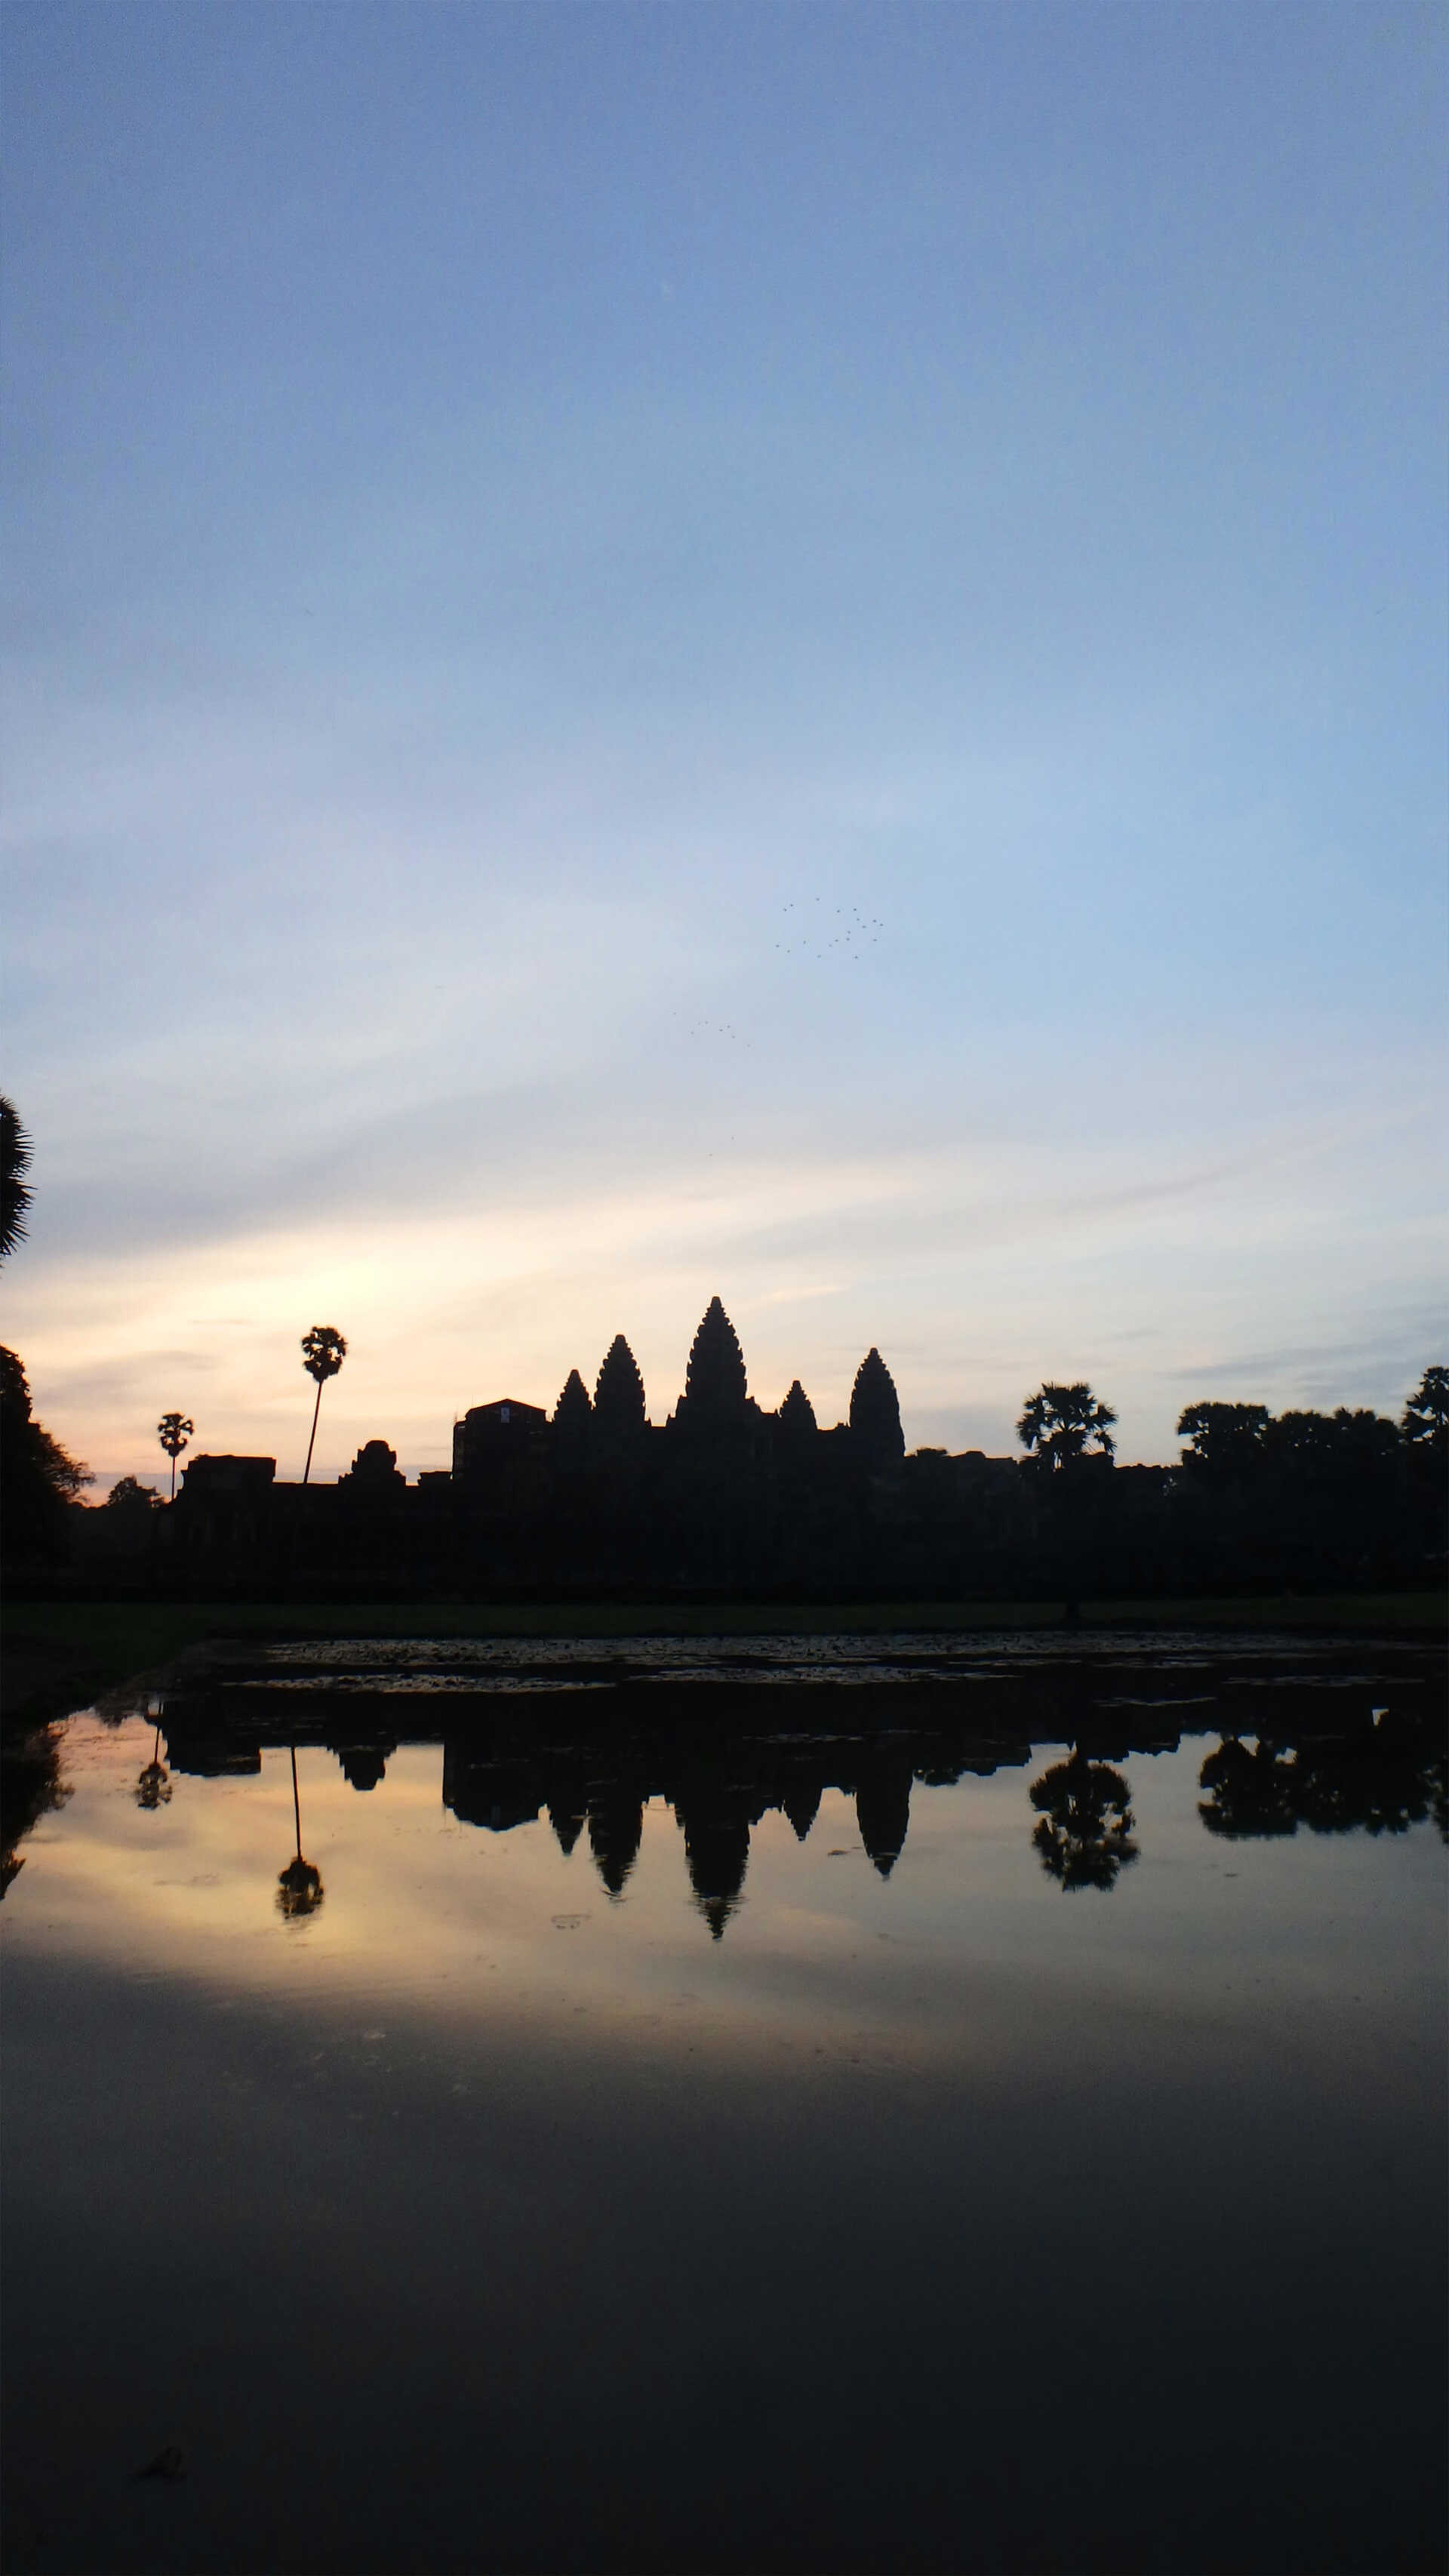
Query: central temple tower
[[716, 1396]]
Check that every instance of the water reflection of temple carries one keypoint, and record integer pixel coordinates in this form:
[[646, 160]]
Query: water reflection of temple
[[718, 1806], [517, 1760]]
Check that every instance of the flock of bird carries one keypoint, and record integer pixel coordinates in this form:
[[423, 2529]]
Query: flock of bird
[[815, 932], [811, 927]]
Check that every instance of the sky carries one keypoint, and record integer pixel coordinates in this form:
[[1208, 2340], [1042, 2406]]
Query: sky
[[789, 651]]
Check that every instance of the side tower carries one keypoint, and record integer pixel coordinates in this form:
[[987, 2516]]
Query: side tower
[[619, 1394]]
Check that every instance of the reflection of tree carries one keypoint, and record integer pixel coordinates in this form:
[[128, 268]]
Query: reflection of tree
[[1085, 1834], [299, 1889], [299, 1885], [1379, 1778], [30, 1786], [153, 1788], [1249, 1793]]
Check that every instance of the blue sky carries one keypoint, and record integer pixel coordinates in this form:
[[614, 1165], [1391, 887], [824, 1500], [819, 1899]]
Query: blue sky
[[788, 650]]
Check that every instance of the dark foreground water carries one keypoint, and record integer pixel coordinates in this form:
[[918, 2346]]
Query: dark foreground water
[[742, 2109]]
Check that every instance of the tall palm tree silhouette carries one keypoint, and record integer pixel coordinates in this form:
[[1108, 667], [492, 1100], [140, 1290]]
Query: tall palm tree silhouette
[[323, 1352], [173, 1431]]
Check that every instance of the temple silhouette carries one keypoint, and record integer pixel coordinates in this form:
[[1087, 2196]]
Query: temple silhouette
[[542, 1738], [594, 1499], [726, 1500]]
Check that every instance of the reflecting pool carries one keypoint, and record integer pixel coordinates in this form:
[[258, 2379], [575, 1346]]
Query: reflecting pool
[[840, 2105]]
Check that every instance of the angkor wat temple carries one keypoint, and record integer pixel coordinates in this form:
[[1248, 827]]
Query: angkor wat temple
[[724, 1500], [593, 1499]]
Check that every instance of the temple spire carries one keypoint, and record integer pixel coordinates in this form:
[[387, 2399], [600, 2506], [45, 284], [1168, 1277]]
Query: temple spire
[[572, 1411], [619, 1394], [875, 1414], [797, 1413], [714, 1386]]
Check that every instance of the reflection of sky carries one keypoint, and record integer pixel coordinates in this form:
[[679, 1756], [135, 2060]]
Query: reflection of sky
[[426, 1916], [795, 653], [438, 2235]]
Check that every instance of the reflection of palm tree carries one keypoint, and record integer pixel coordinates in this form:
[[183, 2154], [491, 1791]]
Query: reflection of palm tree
[[153, 1788], [323, 1352], [299, 1885], [1085, 1834]]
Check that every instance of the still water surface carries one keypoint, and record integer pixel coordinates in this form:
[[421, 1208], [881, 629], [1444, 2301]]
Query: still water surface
[[640, 2109]]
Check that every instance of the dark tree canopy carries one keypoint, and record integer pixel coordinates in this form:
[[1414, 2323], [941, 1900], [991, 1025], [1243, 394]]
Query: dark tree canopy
[[875, 1413], [797, 1413], [1226, 1439], [37, 1477], [1333, 1444], [1060, 1421], [619, 1394], [573, 1409], [1426, 1415], [714, 1384], [14, 1190], [323, 1352]]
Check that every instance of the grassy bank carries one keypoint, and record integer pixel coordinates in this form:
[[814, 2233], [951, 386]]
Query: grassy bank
[[59, 1655]]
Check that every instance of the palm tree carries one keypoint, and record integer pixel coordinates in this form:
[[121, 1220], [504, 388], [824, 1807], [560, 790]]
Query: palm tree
[[14, 1164], [1425, 1421], [323, 1352], [1058, 1423], [173, 1431]]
